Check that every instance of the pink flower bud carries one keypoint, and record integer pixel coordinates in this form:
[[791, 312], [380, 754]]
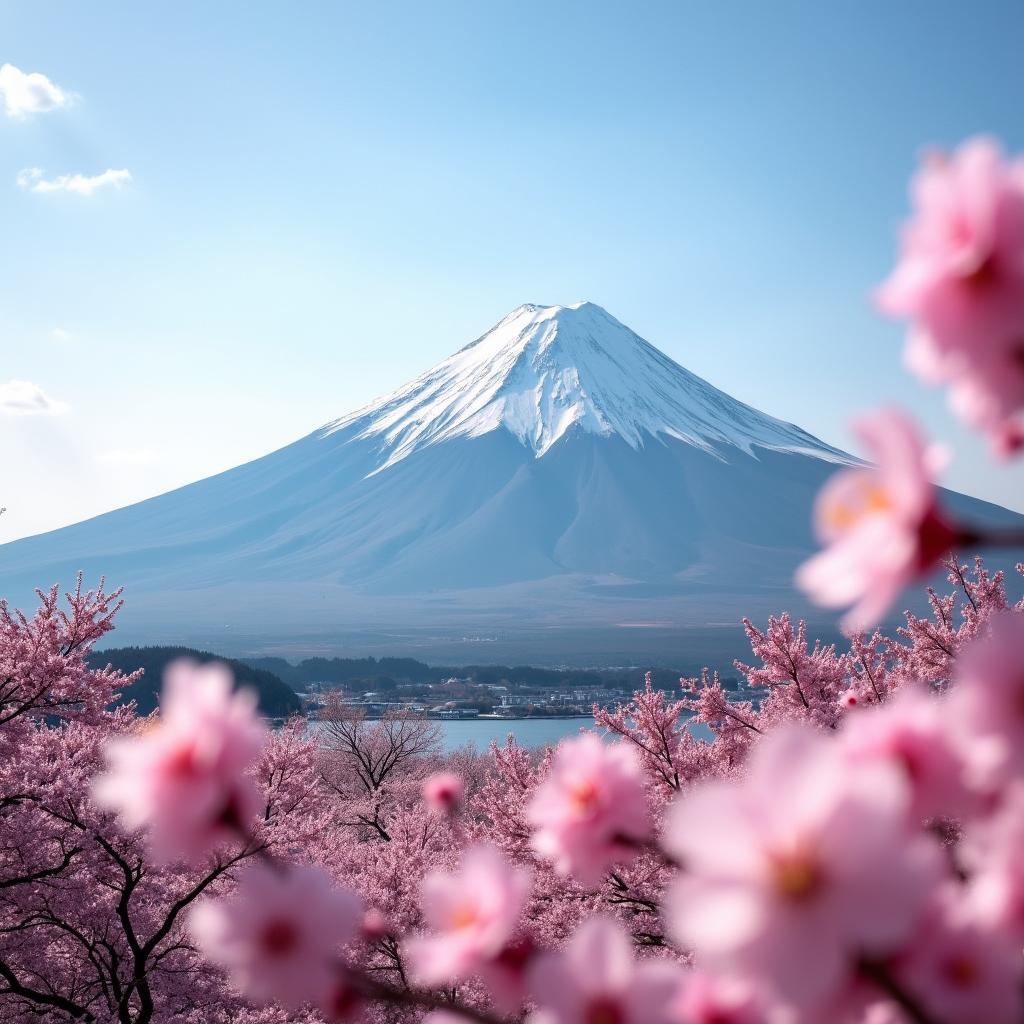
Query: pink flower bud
[[444, 792], [375, 925]]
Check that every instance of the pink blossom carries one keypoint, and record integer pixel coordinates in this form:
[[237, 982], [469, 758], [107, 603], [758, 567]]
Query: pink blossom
[[278, 935], [882, 526], [505, 975], [961, 973], [987, 702], [342, 1002], [444, 792], [991, 853], [912, 732], [797, 870], [375, 925], [710, 999], [849, 699], [597, 981], [591, 810], [184, 777], [961, 281], [472, 913]]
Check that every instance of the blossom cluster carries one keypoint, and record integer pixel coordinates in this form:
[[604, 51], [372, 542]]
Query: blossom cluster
[[960, 280]]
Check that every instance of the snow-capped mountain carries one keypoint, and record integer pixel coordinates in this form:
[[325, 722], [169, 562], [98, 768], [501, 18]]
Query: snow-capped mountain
[[557, 478], [544, 370]]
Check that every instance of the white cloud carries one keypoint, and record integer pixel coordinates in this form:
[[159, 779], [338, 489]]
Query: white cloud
[[127, 457], [81, 184], [23, 398], [28, 176], [59, 334], [33, 93]]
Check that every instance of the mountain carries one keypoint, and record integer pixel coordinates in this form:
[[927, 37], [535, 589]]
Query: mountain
[[557, 489]]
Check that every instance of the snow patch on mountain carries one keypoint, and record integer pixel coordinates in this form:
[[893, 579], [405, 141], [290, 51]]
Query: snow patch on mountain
[[544, 370]]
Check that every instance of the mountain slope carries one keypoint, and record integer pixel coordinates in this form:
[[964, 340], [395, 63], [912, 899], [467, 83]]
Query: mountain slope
[[557, 472]]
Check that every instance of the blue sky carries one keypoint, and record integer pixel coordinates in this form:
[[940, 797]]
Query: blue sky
[[325, 199]]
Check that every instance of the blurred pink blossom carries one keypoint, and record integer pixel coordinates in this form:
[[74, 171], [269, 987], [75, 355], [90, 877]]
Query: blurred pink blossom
[[184, 775], [342, 1002], [793, 873], [504, 976], [375, 925], [472, 914], [882, 525], [278, 935], [987, 702], [444, 791], [991, 853], [959, 972], [591, 811], [912, 731], [710, 999], [595, 980], [960, 280]]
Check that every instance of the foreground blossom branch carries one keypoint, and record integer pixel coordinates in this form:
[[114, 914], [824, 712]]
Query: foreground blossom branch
[[960, 281], [884, 527], [878, 974]]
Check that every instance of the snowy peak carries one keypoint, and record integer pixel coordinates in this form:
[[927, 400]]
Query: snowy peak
[[544, 370]]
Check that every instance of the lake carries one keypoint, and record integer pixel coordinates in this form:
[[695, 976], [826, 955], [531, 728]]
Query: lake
[[529, 732]]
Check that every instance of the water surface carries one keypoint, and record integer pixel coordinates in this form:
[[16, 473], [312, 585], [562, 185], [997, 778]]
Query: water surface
[[528, 732]]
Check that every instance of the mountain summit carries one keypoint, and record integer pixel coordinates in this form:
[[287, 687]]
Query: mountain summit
[[544, 370], [557, 478]]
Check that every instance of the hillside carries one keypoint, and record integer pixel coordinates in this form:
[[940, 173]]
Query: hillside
[[276, 700]]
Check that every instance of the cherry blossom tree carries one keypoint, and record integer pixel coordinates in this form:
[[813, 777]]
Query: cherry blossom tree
[[371, 762]]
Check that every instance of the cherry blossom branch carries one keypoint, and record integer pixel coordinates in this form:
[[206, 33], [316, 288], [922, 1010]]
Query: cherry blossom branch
[[877, 973], [646, 846], [31, 995], [385, 993]]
